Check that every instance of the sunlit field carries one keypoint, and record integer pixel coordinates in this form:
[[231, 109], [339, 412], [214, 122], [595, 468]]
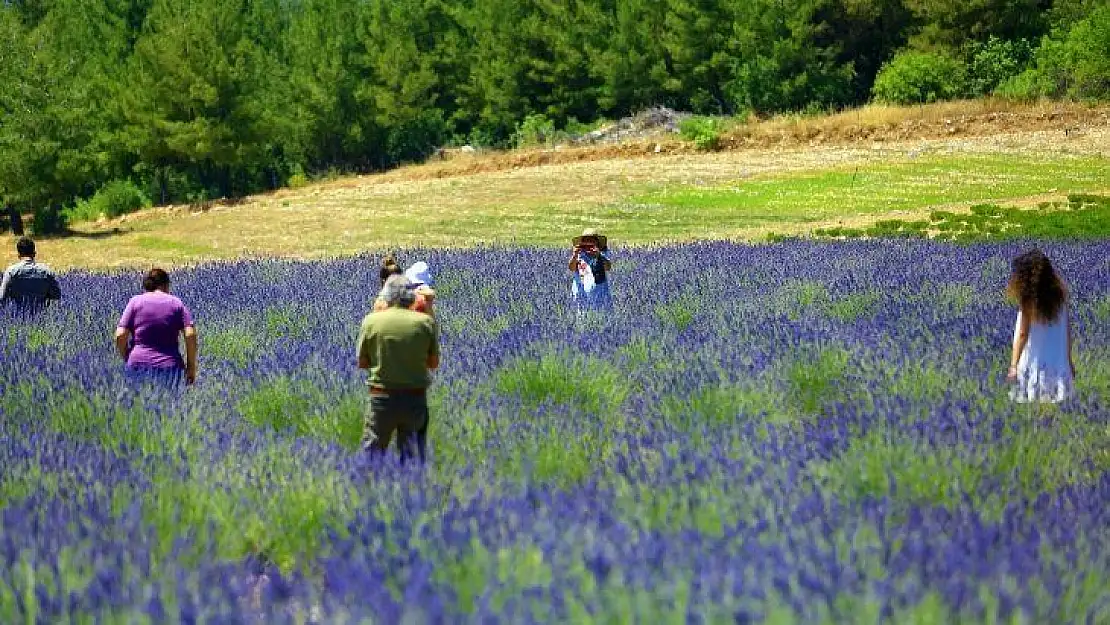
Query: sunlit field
[[641, 199], [798, 432]]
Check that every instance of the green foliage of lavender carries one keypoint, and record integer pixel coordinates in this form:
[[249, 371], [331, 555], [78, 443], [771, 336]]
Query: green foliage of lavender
[[787, 433]]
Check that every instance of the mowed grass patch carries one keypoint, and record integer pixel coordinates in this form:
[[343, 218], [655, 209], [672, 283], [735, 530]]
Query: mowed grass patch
[[184, 248], [906, 186], [1082, 216], [741, 195]]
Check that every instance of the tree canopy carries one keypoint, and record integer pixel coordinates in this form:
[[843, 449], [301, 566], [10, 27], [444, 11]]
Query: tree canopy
[[196, 99]]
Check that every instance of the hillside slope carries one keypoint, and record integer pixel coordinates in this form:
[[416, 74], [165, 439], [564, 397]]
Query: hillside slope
[[788, 175]]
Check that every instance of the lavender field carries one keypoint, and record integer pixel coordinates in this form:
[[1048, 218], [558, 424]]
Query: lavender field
[[798, 432]]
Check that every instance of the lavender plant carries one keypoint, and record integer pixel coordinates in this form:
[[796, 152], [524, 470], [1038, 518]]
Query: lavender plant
[[803, 432]]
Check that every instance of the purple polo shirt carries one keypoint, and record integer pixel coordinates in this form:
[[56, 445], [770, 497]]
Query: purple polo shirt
[[155, 320]]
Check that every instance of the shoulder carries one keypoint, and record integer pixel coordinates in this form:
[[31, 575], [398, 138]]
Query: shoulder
[[428, 323], [133, 305], [413, 317]]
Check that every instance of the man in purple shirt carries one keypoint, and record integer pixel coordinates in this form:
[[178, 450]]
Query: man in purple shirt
[[154, 320]]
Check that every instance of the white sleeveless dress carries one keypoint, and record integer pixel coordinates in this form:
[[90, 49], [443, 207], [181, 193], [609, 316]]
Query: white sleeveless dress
[[1043, 372]]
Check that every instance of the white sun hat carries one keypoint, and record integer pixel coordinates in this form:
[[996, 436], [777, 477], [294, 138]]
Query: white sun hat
[[419, 275], [589, 234]]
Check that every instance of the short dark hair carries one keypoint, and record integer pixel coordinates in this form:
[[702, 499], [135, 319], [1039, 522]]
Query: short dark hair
[[25, 247], [156, 279]]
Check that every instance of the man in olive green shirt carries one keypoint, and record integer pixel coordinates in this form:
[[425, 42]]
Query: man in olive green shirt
[[399, 347]]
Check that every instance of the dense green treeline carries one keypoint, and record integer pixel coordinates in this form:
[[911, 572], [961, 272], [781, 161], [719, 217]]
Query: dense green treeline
[[185, 100]]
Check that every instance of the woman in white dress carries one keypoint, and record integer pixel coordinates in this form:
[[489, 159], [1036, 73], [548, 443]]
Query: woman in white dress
[[1041, 361]]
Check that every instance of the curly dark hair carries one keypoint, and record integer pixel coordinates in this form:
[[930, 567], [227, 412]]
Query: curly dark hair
[[1036, 286], [390, 267]]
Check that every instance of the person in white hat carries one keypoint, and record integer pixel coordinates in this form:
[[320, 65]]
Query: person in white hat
[[421, 279], [590, 264]]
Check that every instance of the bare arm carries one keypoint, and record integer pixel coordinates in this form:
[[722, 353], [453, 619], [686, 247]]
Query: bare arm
[[363, 348], [123, 335], [1020, 339], [1071, 360], [573, 264], [425, 301], [433, 350], [191, 354]]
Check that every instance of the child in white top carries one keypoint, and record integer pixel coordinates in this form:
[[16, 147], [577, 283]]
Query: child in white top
[[1041, 359]]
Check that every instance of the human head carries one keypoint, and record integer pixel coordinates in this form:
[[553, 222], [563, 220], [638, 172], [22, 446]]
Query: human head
[[25, 247], [398, 292], [389, 267], [591, 241], [1036, 286], [156, 280]]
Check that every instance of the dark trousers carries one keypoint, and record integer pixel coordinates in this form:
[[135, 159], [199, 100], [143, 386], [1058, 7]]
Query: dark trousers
[[403, 414]]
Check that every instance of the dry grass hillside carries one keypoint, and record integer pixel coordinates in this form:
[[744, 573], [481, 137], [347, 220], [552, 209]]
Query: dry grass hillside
[[786, 174]]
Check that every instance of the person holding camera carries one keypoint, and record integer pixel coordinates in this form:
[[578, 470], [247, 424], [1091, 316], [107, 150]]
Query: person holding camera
[[590, 264]]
